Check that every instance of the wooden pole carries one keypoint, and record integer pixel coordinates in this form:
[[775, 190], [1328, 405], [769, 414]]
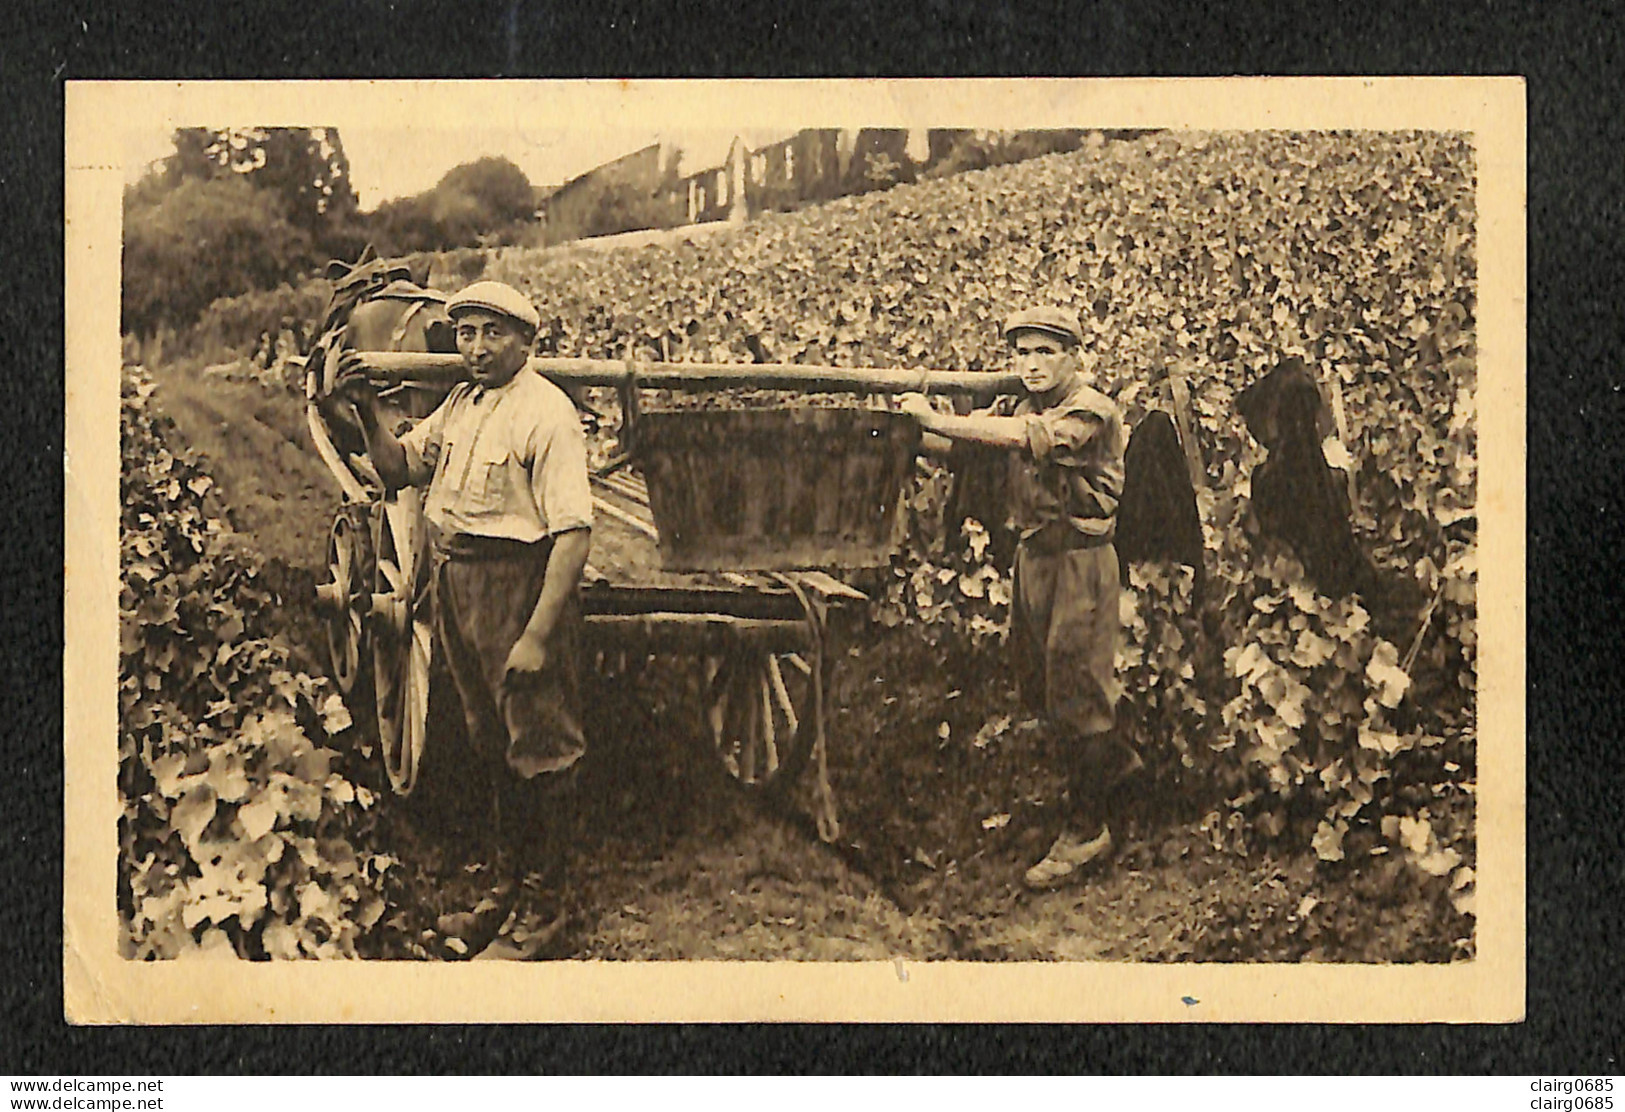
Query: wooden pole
[[1340, 419], [445, 369], [1187, 426]]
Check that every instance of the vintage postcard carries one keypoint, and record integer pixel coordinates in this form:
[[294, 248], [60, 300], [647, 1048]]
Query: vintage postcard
[[997, 550]]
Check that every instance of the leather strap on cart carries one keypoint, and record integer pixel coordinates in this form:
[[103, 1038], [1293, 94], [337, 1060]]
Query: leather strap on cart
[[829, 823]]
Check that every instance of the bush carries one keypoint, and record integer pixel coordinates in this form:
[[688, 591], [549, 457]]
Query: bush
[[623, 206], [978, 150], [1226, 253], [237, 327], [500, 189], [487, 201], [235, 834], [201, 241]]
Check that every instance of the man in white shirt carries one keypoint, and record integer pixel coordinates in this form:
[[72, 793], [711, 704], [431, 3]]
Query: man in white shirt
[[505, 462]]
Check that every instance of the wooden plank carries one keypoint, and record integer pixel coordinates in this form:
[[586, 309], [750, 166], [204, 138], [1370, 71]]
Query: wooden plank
[[718, 554], [607, 598], [636, 522], [827, 585], [440, 369], [693, 633]]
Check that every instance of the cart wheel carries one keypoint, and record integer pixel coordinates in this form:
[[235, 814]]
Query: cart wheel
[[344, 599], [401, 635], [759, 708]]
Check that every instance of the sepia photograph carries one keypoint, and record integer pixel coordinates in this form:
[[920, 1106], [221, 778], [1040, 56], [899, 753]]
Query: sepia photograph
[[795, 550]]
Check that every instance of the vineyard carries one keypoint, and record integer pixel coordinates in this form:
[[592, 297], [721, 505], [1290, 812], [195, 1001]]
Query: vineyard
[[1314, 757]]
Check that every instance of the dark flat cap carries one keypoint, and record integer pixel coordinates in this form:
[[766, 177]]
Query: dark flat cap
[[1046, 318]]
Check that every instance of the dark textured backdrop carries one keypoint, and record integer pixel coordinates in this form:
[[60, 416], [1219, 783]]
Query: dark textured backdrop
[[1571, 53]]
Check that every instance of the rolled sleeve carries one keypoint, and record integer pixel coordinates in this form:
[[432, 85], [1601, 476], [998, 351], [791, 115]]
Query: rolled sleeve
[[559, 478], [1061, 436]]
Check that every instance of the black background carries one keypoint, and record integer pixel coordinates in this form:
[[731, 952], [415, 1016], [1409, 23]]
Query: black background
[[1572, 57]]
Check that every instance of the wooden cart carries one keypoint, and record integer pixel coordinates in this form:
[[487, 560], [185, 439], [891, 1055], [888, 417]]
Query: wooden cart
[[755, 617]]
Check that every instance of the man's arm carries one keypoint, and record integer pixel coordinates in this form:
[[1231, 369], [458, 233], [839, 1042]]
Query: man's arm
[[385, 450], [387, 454], [564, 567], [941, 429]]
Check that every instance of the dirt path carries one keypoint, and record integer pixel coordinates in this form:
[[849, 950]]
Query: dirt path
[[280, 495]]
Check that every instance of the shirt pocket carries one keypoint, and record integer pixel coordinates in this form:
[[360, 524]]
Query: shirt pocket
[[488, 481], [480, 485]]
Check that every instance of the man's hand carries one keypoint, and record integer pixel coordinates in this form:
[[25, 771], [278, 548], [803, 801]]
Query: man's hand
[[527, 657], [351, 383]]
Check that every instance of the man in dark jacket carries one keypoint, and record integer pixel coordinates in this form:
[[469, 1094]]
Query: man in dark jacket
[[1065, 441]]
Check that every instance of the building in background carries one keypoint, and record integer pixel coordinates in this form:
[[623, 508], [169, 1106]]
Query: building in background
[[614, 197], [711, 176]]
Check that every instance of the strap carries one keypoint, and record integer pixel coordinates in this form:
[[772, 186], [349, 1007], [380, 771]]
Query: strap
[[829, 823], [413, 308]]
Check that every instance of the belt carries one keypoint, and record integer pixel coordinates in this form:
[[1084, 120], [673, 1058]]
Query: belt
[[472, 546], [1060, 537]]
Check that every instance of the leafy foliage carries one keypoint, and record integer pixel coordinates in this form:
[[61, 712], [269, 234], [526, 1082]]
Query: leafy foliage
[[623, 206], [500, 187], [235, 833], [978, 149], [233, 210], [263, 329], [238, 210], [487, 199], [305, 168], [203, 240], [1221, 253]]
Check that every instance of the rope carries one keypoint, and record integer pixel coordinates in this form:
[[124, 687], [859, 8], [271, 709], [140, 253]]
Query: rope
[[1427, 619], [630, 412], [829, 823]]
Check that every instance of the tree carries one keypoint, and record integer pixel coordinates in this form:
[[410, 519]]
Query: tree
[[879, 160], [306, 169], [404, 224], [202, 240], [476, 200], [500, 187]]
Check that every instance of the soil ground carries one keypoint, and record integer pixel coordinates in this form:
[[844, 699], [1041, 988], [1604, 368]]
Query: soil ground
[[672, 859]]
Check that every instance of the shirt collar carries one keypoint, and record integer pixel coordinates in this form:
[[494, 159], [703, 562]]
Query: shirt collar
[[477, 390]]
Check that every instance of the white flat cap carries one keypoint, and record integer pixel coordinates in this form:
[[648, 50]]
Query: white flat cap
[[495, 297]]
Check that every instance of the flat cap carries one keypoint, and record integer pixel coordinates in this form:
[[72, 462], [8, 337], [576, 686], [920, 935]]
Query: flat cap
[[495, 297], [1046, 318]]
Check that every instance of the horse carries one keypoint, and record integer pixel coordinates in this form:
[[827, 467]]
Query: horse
[[377, 305]]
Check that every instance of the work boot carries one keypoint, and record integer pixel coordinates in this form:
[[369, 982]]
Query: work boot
[[1066, 859], [537, 927]]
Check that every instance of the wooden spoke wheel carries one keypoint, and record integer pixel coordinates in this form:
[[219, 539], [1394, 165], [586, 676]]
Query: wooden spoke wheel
[[402, 635], [760, 709], [345, 598]]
